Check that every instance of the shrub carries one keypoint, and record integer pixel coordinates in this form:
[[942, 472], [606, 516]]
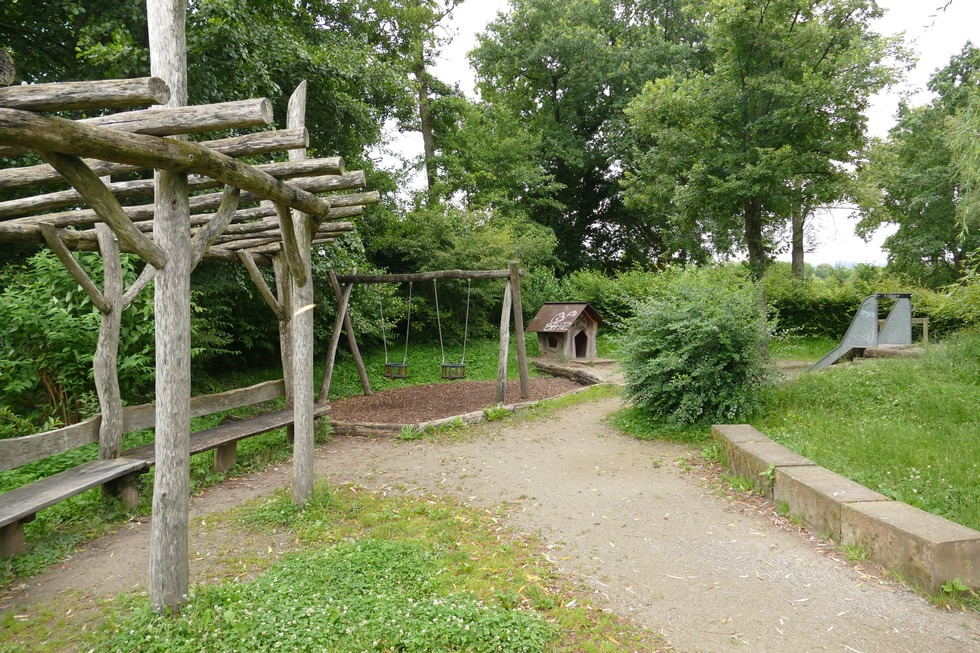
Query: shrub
[[696, 352]]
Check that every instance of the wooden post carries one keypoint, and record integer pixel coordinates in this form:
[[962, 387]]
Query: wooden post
[[171, 488], [515, 284], [301, 282], [107, 351], [352, 339], [285, 297], [504, 344], [338, 324]]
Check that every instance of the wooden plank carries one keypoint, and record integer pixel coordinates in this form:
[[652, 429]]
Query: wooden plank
[[27, 500], [15, 452], [50, 134], [101, 94], [143, 417], [232, 431], [235, 146]]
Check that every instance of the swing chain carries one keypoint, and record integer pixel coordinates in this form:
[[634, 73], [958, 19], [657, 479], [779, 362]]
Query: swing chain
[[408, 323], [435, 292]]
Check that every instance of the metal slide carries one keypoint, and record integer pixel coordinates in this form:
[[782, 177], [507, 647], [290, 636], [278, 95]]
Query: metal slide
[[864, 333]]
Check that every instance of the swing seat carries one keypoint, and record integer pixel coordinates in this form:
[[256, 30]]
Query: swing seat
[[453, 371], [396, 370]]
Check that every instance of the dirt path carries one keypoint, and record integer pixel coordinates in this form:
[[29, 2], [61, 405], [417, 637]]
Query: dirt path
[[651, 540]]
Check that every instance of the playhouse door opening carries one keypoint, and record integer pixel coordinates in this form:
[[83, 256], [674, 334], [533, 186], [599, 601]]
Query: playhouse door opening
[[581, 345]]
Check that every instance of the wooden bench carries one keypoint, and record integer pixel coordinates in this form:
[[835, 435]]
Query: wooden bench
[[19, 506]]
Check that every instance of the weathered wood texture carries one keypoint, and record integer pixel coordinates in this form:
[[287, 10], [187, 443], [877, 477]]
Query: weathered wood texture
[[144, 187], [515, 284], [301, 282], [8, 72], [206, 237], [102, 94], [248, 261], [74, 269], [504, 345], [106, 206], [338, 324], [51, 134], [26, 501], [351, 341], [247, 145], [169, 566], [104, 363]]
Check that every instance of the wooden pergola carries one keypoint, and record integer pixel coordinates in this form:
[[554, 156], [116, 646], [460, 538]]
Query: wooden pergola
[[259, 216]]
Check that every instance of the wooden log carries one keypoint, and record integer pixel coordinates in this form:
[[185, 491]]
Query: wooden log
[[8, 72], [285, 299], [141, 282], [106, 206], [50, 134], [144, 187], [515, 284], [169, 567], [424, 276], [104, 363], [301, 282], [291, 246], [74, 269], [338, 324], [504, 344], [246, 239], [248, 145], [253, 271], [351, 340], [70, 96], [206, 237], [276, 247], [179, 121]]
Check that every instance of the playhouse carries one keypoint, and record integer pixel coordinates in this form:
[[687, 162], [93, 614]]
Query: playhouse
[[566, 331]]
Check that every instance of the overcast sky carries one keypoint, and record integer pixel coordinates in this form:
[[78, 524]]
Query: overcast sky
[[933, 34]]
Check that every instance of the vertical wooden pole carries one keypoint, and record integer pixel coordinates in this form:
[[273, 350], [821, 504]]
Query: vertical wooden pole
[[302, 331], [107, 351], [515, 284], [351, 339], [171, 231], [504, 345], [285, 296], [338, 324]]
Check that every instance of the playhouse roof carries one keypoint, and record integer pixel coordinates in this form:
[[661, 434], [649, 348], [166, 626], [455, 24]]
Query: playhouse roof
[[557, 317]]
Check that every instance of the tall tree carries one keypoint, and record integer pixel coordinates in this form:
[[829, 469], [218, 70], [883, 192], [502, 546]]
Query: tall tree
[[912, 179], [729, 154], [566, 70]]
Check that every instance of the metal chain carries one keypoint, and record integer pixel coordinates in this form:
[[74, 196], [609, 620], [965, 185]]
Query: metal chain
[[408, 323], [435, 292]]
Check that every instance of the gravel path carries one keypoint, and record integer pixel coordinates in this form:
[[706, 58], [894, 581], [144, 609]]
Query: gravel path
[[652, 540]]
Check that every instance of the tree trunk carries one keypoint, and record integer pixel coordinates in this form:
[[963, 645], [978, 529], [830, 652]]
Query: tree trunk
[[753, 237], [425, 124], [799, 220]]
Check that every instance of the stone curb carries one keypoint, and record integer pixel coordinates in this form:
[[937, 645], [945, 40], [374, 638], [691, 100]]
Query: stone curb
[[928, 550]]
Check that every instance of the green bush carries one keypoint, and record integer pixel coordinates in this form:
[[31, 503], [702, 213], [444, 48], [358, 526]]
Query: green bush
[[696, 352]]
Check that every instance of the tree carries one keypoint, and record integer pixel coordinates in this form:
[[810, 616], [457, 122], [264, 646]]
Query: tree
[[728, 154], [566, 70], [912, 179]]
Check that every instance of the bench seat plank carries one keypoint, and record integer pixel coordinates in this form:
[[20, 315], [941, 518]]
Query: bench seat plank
[[25, 501], [212, 438]]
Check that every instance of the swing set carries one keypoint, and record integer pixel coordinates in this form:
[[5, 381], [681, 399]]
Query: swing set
[[451, 370]]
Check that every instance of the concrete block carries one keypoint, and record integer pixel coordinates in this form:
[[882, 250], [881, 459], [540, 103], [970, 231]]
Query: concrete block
[[736, 433], [752, 460], [816, 494], [927, 549]]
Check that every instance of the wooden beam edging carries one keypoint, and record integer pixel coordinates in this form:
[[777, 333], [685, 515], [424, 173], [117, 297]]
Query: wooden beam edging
[[106, 206], [50, 134], [74, 269], [100, 94], [248, 144]]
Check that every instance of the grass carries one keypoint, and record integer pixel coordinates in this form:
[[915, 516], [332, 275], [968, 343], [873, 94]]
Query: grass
[[904, 427], [807, 349], [366, 571]]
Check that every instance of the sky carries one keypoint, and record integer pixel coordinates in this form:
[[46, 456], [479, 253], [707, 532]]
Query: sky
[[934, 35]]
